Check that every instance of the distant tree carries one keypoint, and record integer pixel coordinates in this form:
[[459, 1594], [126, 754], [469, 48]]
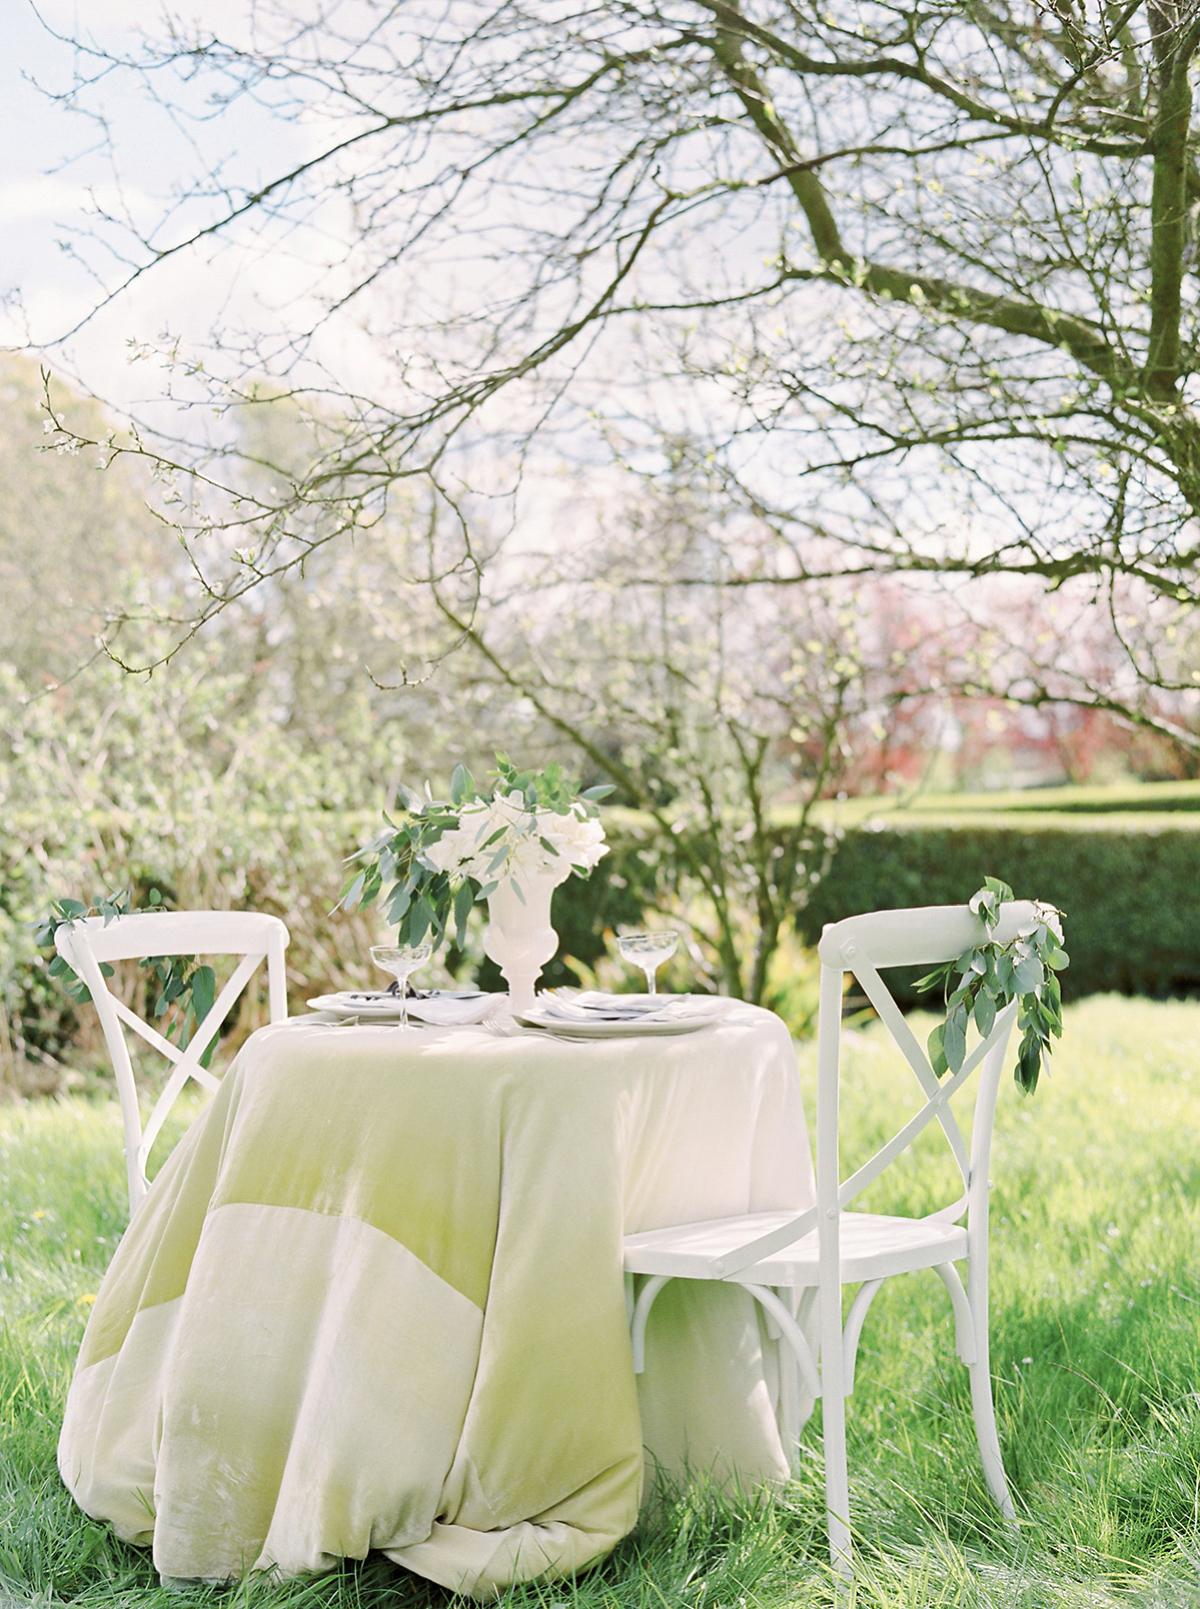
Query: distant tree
[[918, 280], [725, 715], [78, 548]]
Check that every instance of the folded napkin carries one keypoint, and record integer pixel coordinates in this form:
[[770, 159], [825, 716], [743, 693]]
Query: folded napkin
[[451, 1010]]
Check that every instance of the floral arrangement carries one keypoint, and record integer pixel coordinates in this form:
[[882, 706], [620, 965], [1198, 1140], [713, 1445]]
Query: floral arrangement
[[441, 856], [992, 975]]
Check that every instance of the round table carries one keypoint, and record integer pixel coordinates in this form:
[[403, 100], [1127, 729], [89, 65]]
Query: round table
[[374, 1299]]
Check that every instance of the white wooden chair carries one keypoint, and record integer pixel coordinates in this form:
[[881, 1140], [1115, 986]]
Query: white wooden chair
[[91, 941], [786, 1259]]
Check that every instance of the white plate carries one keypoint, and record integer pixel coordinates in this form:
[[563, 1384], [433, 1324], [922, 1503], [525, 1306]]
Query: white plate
[[593, 1006], [376, 1005], [564, 1028]]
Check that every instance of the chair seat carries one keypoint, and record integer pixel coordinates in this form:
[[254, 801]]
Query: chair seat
[[871, 1247]]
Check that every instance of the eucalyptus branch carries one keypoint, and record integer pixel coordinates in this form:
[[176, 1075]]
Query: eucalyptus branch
[[186, 989], [991, 975]]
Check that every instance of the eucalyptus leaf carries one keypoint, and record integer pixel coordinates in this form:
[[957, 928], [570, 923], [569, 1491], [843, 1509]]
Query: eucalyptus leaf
[[1029, 1063], [398, 903], [1028, 975], [204, 991], [463, 901], [985, 1013], [954, 1040], [937, 1051]]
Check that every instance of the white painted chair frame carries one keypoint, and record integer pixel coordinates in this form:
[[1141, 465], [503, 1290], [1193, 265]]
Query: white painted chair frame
[[785, 1260], [90, 941]]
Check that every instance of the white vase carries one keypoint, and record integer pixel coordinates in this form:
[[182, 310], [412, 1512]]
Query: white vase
[[519, 937]]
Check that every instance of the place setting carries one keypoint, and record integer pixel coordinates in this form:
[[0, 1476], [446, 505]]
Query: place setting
[[395, 1006], [595, 1014]]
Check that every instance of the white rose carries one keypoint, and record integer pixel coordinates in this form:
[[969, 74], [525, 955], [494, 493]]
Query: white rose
[[577, 838], [451, 849], [574, 838]]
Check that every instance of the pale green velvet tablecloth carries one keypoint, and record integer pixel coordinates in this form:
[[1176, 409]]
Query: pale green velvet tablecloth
[[375, 1300]]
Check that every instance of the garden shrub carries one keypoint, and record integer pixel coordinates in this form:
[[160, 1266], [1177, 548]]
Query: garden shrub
[[1125, 883]]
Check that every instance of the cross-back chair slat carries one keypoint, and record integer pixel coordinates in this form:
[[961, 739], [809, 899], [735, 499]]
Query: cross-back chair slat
[[89, 942], [936, 1106], [880, 996], [188, 1065]]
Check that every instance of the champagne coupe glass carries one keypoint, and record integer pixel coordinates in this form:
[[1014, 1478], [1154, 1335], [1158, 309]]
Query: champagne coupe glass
[[402, 960], [648, 951]]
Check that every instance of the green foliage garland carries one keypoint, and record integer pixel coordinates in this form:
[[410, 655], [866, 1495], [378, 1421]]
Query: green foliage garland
[[991, 975], [186, 990]]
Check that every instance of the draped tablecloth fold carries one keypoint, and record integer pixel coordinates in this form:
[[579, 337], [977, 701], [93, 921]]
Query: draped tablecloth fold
[[375, 1300]]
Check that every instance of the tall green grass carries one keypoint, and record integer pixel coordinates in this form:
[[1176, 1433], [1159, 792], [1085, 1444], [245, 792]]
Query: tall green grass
[[1095, 1348]]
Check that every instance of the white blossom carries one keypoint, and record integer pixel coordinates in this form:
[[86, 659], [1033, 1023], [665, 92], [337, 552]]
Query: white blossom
[[472, 849]]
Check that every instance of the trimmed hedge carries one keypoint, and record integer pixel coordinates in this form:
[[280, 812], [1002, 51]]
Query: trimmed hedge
[[1108, 800], [1129, 888]]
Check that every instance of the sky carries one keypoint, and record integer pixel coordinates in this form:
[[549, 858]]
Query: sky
[[54, 179]]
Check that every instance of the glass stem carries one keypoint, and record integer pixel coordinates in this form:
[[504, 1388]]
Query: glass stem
[[650, 975]]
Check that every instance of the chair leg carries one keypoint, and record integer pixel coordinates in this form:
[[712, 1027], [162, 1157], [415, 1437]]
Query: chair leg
[[791, 1332], [985, 1434], [833, 1422], [789, 1387], [980, 1370], [641, 1312], [799, 1304], [971, 1337], [837, 1483]]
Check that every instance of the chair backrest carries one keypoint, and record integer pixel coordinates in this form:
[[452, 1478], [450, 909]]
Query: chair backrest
[[867, 946], [87, 943]]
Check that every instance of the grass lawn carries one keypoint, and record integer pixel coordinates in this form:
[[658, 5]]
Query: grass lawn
[[1095, 1348]]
